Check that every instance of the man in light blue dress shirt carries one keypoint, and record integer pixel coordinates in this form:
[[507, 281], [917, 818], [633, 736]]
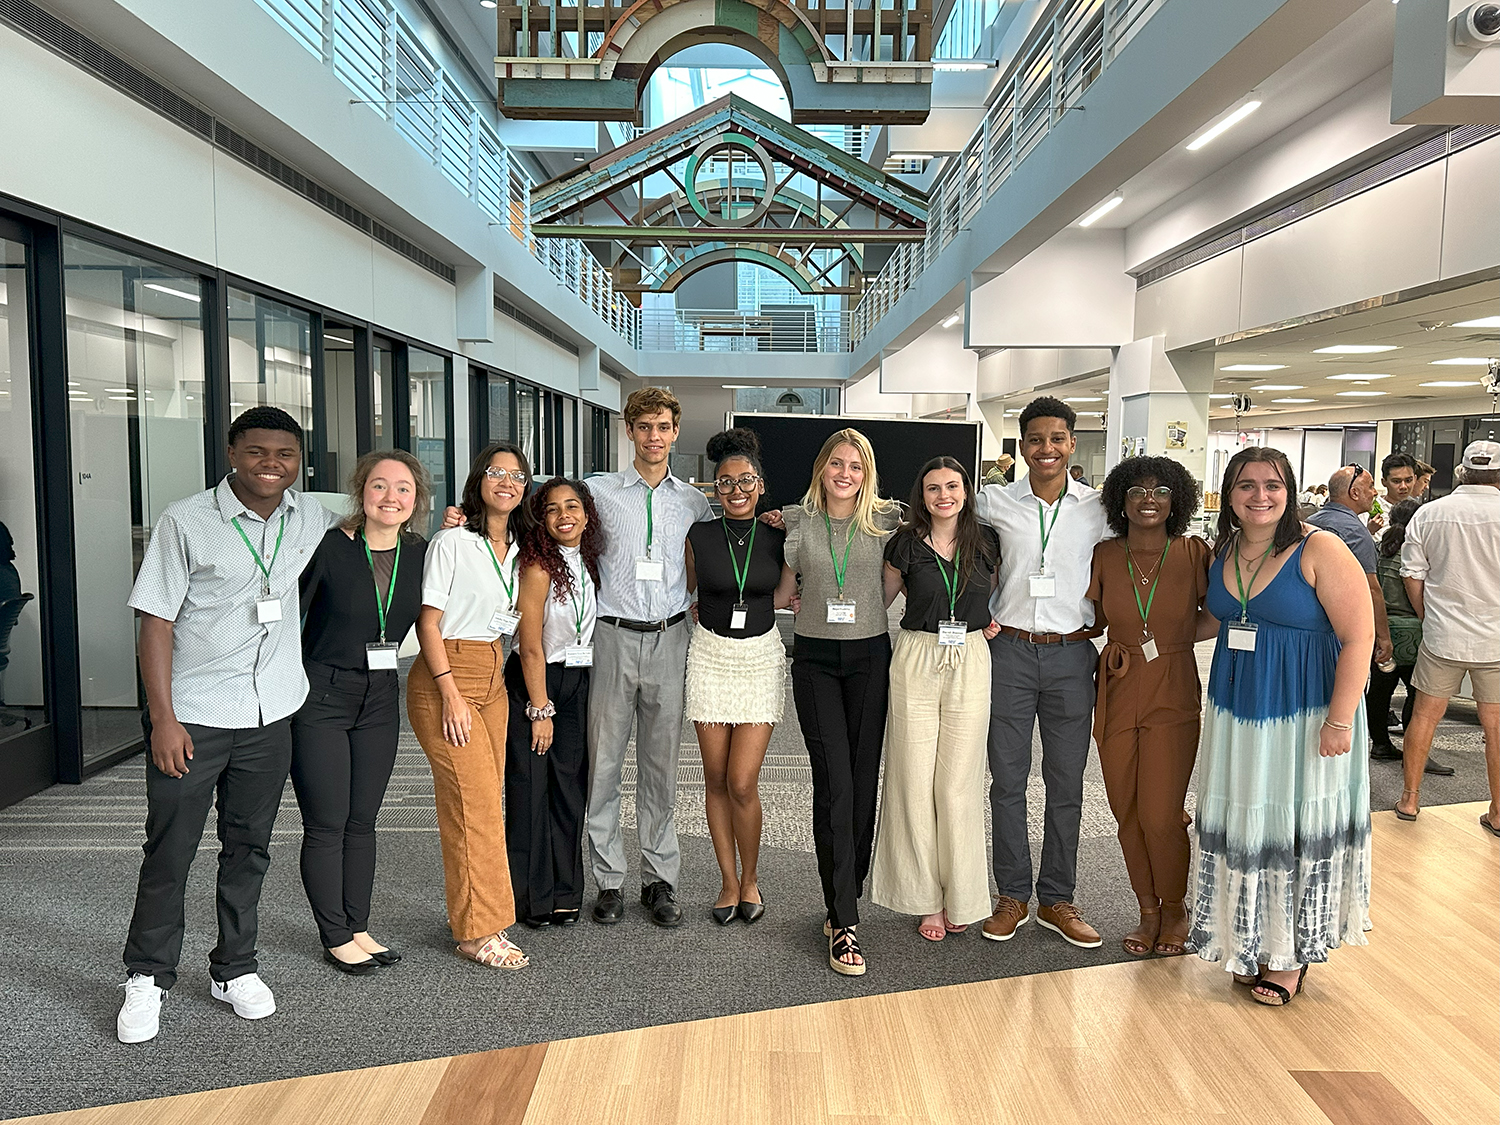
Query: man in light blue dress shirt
[[640, 658]]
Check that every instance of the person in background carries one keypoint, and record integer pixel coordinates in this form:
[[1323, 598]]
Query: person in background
[[1448, 567], [929, 847], [360, 595], [1351, 491], [1282, 870], [1076, 472], [221, 661], [640, 650], [1422, 488], [736, 668], [1148, 584], [12, 602], [1398, 476], [546, 776], [1406, 637], [1042, 671], [841, 656], [456, 698]]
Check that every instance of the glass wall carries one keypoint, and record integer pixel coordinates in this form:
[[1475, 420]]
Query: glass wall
[[500, 420], [22, 687], [385, 375], [340, 413], [428, 375], [135, 378], [524, 426], [270, 359]]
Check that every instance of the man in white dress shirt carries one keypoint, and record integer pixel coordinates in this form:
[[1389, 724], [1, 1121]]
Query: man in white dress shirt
[[1042, 671], [1448, 565]]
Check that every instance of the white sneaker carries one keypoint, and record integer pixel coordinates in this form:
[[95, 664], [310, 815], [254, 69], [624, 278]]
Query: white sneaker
[[248, 994], [140, 1015]]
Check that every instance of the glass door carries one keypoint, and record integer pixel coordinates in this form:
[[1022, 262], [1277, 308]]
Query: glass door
[[340, 414]]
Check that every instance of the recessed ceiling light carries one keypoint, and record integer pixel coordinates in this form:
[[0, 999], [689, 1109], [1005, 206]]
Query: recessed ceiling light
[[1083, 399], [1482, 322], [953, 319], [1291, 400], [1461, 361], [1277, 387], [961, 64], [1361, 394], [1358, 376], [1223, 126], [1100, 211], [1450, 383], [1220, 396], [1354, 349], [487, 3], [910, 156], [174, 292], [1254, 367]]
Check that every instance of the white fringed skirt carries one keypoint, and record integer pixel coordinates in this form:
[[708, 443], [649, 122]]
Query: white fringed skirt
[[735, 680]]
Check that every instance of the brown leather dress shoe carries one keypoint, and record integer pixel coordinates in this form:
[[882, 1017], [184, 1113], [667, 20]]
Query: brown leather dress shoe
[[1009, 914], [1064, 918]]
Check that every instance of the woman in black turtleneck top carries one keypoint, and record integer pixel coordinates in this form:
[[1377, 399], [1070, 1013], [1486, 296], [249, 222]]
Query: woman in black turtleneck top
[[736, 665]]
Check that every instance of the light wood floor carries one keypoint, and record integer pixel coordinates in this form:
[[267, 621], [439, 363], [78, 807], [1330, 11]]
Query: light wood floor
[[1403, 1031]]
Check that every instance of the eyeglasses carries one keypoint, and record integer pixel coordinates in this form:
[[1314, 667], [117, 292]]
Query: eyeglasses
[[725, 485], [500, 474], [1160, 492]]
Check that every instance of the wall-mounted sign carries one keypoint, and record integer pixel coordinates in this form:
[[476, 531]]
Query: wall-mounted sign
[[1176, 435]]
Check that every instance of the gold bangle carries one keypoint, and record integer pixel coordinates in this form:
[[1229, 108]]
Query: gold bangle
[[1337, 726]]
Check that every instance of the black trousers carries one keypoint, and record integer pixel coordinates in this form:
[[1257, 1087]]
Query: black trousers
[[546, 794], [840, 689], [242, 774], [1378, 700], [343, 750]]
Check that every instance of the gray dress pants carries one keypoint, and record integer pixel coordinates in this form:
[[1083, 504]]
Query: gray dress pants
[[637, 678], [1051, 685]]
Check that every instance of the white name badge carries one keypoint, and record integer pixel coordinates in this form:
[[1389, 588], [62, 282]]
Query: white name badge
[[1148, 649], [578, 656], [505, 622], [840, 611], [381, 657], [650, 570], [1043, 585], [737, 617], [1242, 636], [267, 611], [952, 632]]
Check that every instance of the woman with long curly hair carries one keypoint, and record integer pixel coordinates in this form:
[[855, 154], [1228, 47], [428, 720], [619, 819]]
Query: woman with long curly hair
[[547, 761], [1148, 585]]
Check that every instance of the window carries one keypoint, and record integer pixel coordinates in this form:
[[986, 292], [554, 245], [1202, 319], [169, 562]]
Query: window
[[270, 360], [428, 375]]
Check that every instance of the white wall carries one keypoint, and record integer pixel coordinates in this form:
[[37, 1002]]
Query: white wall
[[1071, 292]]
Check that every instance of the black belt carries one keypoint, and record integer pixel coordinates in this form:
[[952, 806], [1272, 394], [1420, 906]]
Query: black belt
[[645, 626]]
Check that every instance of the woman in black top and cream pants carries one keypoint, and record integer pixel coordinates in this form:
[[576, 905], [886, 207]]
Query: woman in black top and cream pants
[[361, 593]]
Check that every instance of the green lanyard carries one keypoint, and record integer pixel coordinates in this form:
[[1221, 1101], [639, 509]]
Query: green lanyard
[[1244, 599], [390, 594], [1046, 528], [740, 577], [650, 525], [1136, 590], [580, 608], [950, 585], [839, 568], [265, 570], [509, 587]]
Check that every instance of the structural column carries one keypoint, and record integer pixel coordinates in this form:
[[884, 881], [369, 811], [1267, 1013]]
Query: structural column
[[1158, 404]]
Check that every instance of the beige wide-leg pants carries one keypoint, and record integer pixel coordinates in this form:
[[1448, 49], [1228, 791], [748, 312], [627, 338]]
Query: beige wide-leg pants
[[929, 848]]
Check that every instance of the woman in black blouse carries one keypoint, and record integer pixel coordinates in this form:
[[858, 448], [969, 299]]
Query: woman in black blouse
[[929, 847], [361, 592], [737, 664]]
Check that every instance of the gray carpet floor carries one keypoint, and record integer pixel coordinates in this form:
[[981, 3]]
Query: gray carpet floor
[[69, 857]]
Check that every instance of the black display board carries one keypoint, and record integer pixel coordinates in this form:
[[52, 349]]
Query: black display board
[[790, 443]]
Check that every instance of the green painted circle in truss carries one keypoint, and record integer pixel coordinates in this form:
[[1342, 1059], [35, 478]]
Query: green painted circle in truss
[[745, 144]]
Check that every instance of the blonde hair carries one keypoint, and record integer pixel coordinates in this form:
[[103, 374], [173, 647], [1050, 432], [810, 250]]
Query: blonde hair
[[651, 400], [867, 501], [360, 476]]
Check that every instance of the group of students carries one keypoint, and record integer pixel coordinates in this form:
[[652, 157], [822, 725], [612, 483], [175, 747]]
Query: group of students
[[555, 619]]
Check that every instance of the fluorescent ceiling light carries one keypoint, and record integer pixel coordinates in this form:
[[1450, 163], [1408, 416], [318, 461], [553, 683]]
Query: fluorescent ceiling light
[[1277, 387], [487, 3], [1220, 396], [1291, 400], [1361, 394], [961, 64], [1100, 211], [1223, 126], [744, 386], [329, 336], [120, 390], [1449, 383], [910, 156], [1358, 376], [952, 320], [1083, 398], [1254, 367], [174, 292], [1354, 349], [1482, 322], [1461, 361]]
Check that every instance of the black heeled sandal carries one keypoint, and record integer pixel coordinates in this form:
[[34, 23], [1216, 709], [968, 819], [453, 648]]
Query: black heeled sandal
[[1282, 996]]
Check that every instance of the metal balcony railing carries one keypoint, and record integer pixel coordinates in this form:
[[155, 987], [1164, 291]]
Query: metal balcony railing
[[779, 328], [374, 51], [1061, 59]]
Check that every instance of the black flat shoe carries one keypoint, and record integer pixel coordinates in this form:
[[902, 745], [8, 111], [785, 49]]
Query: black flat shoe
[[725, 914], [752, 911], [610, 907], [1437, 769], [386, 957], [565, 917], [537, 923], [1384, 752], [354, 969]]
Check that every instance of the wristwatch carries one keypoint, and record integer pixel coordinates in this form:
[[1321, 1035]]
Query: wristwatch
[[535, 714]]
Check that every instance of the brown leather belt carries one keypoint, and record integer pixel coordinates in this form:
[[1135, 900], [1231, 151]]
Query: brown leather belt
[[1048, 638]]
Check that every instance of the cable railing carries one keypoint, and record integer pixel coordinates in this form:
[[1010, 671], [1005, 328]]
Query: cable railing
[[377, 54], [1060, 60], [771, 328]]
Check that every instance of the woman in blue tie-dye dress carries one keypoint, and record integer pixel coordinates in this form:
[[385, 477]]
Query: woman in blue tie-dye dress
[[1282, 870]]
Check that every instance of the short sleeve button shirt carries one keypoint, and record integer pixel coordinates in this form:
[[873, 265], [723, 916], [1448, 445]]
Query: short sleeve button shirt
[[228, 670], [621, 501]]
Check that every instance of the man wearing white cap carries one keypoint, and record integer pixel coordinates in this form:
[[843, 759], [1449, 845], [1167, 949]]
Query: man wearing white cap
[[1449, 564]]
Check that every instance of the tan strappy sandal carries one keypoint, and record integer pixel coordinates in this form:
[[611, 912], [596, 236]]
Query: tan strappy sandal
[[497, 953]]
